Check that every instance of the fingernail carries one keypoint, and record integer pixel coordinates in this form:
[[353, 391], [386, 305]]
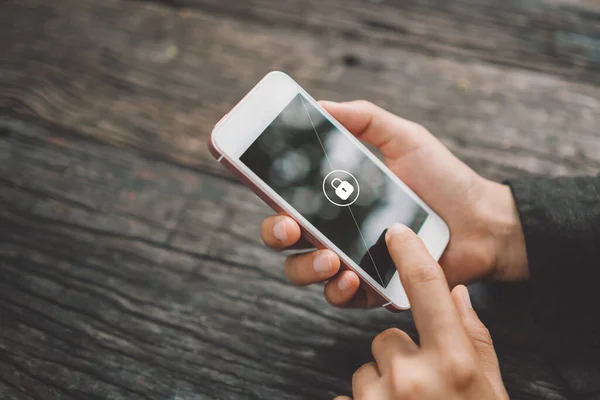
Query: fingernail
[[395, 229], [344, 283], [280, 231], [322, 263], [466, 297]]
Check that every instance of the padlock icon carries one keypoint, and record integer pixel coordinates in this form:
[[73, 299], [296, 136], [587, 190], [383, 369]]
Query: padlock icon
[[343, 189]]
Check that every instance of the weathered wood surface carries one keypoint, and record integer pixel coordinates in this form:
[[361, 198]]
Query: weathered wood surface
[[155, 79], [130, 263]]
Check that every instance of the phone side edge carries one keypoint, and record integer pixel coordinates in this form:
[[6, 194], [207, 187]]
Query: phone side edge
[[212, 147]]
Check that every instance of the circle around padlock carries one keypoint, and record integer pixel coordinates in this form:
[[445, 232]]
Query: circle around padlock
[[355, 187]]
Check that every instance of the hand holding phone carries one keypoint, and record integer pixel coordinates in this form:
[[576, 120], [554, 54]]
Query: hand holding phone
[[473, 207], [314, 137]]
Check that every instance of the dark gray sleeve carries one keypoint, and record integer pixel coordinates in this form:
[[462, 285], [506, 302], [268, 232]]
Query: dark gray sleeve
[[561, 224]]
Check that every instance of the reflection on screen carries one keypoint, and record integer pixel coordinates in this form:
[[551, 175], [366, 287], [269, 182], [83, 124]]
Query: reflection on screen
[[297, 155]]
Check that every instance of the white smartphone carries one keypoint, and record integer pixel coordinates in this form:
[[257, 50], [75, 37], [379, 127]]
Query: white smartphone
[[302, 162]]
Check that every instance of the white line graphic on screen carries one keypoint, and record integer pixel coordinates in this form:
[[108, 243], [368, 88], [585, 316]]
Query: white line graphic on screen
[[316, 133], [349, 209]]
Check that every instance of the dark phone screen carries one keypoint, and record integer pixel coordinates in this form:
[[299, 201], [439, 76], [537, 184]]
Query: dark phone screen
[[323, 174]]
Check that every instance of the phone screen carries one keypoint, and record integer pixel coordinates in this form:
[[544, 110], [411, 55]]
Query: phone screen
[[328, 179]]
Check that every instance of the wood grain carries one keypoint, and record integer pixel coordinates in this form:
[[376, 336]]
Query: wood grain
[[128, 278], [560, 37], [130, 262], [162, 92]]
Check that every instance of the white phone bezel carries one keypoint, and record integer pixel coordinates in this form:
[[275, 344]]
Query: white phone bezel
[[252, 115]]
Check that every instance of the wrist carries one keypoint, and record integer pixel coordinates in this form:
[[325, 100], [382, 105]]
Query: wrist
[[506, 234]]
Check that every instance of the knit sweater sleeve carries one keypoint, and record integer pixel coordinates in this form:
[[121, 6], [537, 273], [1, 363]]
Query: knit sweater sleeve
[[561, 224]]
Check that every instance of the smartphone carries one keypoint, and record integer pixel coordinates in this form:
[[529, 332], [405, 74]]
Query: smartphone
[[302, 162]]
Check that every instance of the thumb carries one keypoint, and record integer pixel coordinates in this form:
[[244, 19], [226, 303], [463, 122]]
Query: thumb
[[393, 135], [480, 338]]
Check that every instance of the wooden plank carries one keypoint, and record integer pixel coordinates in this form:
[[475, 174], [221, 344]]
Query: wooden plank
[[156, 79], [561, 37], [124, 278]]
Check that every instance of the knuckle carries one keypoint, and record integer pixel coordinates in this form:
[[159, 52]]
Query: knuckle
[[460, 368], [409, 386], [364, 391], [361, 371], [288, 268], [331, 298], [464, 376], [387, 334], [420, 130], [381, 340], [423, 274], [292, 270]]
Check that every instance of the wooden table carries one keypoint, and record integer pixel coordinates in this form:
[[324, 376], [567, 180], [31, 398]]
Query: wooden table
[[130, 261]]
